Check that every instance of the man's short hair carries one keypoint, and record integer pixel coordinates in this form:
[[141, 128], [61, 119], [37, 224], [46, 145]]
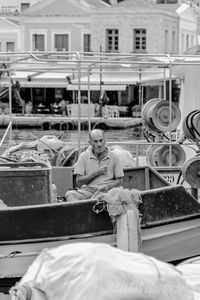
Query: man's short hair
[[93, 130]]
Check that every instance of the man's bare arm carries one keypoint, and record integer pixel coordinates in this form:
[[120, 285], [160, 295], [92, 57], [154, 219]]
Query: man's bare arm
[[114, 183]]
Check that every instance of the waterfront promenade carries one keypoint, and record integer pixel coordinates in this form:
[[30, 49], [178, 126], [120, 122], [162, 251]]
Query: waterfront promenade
[[59, 122]]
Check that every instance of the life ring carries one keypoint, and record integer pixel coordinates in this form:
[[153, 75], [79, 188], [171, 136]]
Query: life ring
[[71, 125], [156, 115], [46, 126], [64, 126], [191, 171], [191, 126], [62, 154], [72, 158], [158, 155]]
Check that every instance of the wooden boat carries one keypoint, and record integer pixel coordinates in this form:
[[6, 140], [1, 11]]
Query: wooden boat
[[170, 224], [170, 214]]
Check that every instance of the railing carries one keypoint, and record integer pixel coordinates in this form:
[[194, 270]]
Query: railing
[[139, 149]]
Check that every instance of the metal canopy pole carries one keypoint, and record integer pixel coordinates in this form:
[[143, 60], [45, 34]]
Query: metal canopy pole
[[79, 104], [100, 79], [10, 104], [89, 102], [164, 91], [140, 88], [170, 110]]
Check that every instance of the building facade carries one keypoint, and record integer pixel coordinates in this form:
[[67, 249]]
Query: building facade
[[15, 7], [129, 26], [10, 35], [126, 26]]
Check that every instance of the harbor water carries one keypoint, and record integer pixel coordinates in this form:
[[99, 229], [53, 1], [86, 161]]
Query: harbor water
[[69, 136], [120, 137]]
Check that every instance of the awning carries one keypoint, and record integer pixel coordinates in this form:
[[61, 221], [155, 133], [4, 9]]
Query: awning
[[119, 80], [109, 87], [111, 80], [33, 79], [42, 84]]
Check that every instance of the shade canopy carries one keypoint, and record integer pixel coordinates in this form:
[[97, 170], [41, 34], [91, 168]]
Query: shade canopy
[[111, 81], [118, 80], [71, 70]]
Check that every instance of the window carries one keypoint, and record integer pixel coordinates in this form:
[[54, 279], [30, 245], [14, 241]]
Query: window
[[10, 46], [166, 41], [87, 42], [61, 42], [24, 6], [173, 42], [38, 42], [187, 41], [140, 40], [182, 42], [192, 40], [112, 40]]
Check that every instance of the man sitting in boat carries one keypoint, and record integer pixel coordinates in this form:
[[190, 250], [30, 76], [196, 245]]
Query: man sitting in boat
[[98, 169]]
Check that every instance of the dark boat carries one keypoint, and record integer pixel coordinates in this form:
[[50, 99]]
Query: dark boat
[[170, 220]]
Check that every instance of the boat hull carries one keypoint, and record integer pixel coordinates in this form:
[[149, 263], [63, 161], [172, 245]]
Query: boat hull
[[168, 242], [169, 225]]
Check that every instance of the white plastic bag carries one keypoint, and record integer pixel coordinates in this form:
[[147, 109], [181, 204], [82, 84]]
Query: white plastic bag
[[191, 273], [89, 271]]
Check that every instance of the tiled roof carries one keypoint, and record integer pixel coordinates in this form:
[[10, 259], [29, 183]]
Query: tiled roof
[[85, 7], [59, 8], [64, 7]]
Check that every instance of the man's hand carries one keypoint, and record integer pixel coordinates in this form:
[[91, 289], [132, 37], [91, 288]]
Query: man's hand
[[103, 189], [102, 170], [106, 187]]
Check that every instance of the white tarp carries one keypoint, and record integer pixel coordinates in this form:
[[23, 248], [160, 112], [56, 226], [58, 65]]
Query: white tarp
[[191, 272], [92, 271]]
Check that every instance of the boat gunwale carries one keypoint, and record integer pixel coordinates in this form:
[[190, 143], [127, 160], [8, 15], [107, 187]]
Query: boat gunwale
[[170, 221], [57, 238]]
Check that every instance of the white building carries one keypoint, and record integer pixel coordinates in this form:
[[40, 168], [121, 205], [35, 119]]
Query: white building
[[9, 7], [87, 25], [10, 35], [129, 26], [125, 26]]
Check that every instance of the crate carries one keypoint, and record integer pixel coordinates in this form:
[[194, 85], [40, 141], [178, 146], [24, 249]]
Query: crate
[[25, 183]]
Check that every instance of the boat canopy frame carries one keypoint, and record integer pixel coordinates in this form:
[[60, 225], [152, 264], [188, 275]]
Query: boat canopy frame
[[78, 65]]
